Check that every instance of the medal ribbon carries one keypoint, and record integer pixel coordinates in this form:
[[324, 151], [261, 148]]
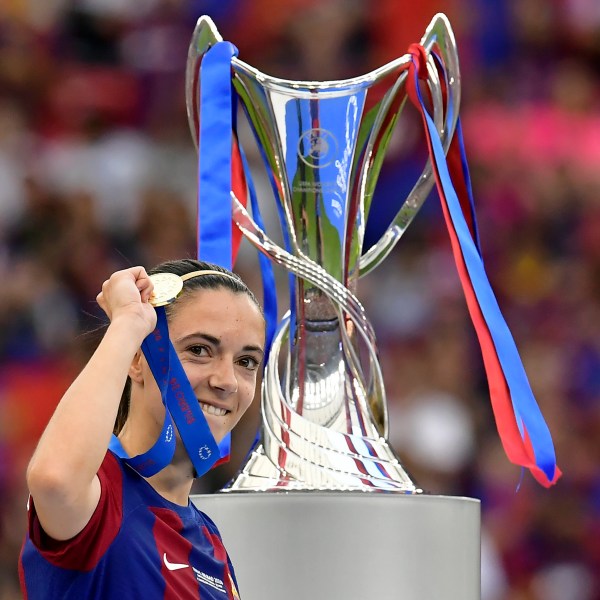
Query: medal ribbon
[[181, 407], [180, 399], [161, 453], [521, 426], [154, 460]]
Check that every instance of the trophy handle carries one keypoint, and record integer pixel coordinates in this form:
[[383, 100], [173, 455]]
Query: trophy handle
[[439, 35], [205, 35]]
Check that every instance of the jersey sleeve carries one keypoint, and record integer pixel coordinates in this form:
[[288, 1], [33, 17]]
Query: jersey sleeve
[[84, 551]]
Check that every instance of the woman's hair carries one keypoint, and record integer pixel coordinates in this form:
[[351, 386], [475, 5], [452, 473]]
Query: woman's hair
[[204, 281]]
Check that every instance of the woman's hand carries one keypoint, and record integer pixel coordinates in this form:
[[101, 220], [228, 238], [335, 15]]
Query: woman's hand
[[126, 294]]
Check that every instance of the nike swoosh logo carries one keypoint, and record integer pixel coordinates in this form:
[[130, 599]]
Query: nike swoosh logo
[[173, 566]]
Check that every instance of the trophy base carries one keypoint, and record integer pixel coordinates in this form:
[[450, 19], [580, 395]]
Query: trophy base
[[356, 546], [261, 475]]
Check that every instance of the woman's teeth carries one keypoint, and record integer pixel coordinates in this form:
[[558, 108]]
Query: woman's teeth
[[213, 410]]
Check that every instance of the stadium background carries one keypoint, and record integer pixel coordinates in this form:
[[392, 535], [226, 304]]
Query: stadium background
[[97, 172]]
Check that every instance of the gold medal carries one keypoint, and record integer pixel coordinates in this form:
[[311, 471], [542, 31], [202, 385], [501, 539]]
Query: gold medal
[[167, 286]]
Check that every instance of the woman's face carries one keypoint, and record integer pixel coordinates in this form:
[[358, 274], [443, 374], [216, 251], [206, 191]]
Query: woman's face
[[219, 337]]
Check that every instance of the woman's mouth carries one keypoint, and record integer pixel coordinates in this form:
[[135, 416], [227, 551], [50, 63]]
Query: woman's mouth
[[213, 410]]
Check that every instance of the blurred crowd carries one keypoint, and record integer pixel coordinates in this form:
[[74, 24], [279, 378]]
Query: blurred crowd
[[98, 172]]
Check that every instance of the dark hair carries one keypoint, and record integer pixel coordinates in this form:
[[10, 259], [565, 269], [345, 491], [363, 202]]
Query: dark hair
[[209, 281]]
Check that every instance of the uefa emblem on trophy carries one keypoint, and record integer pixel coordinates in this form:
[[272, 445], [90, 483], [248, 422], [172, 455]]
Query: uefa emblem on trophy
[[323, 143]]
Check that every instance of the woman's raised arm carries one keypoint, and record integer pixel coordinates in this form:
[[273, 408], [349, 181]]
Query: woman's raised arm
[[62, 476]]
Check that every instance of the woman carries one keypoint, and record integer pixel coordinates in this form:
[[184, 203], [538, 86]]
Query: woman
[[97, 528]]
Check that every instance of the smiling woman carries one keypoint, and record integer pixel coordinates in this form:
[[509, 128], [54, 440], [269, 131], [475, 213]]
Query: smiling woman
[[97, 527]]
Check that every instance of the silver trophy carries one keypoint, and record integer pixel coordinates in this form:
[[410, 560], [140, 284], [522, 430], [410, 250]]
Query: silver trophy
[[323, 398]]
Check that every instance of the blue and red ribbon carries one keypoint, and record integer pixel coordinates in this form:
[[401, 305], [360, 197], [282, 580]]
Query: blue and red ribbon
[[524, 434]]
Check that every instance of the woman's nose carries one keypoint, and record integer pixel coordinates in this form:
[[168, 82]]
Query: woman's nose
[[223, 376]]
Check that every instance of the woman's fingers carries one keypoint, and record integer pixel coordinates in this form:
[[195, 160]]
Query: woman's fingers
[[124, 289], [144, 285]]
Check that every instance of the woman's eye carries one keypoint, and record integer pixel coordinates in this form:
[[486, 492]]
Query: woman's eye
[[198, 350], [248, 362]]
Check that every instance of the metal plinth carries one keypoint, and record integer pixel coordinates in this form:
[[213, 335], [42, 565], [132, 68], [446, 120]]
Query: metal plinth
[[349, 546]]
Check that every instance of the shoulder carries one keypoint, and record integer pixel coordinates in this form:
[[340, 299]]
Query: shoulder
[[83, 551]]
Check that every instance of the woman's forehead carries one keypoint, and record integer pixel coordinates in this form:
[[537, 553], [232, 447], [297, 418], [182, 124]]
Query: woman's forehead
[[218, 308]]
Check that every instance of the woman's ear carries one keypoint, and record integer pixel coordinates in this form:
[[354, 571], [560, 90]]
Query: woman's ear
[[135, 370]]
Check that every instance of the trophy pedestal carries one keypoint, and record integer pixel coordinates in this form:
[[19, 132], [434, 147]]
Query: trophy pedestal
[[355, 546]]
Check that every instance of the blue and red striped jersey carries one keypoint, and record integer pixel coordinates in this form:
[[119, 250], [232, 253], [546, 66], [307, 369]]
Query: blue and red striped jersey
[[136, 545]]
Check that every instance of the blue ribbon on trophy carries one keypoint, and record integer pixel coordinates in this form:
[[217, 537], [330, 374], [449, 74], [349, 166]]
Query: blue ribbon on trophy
[[323, 144], [222, 167]]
